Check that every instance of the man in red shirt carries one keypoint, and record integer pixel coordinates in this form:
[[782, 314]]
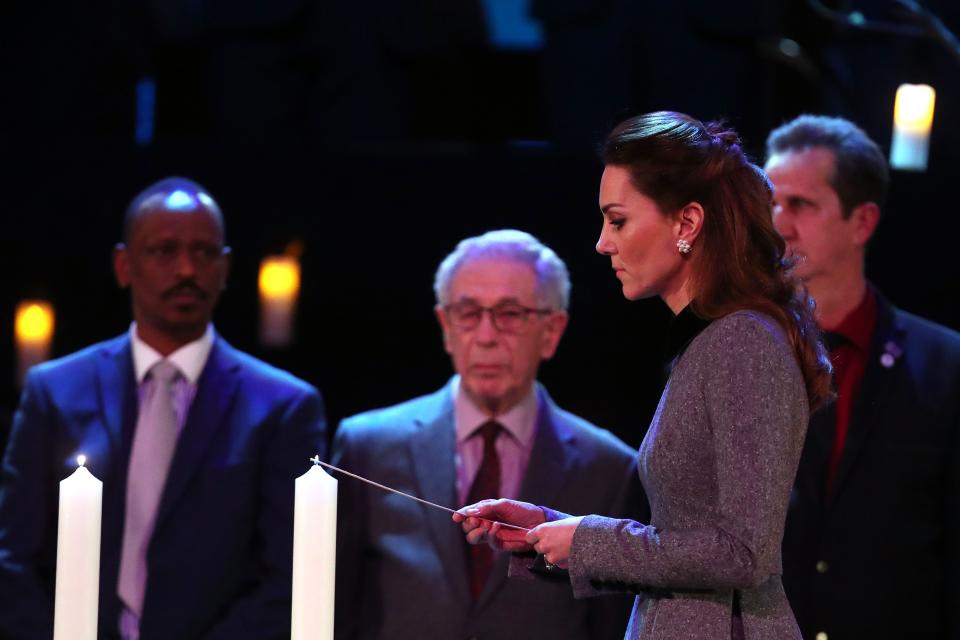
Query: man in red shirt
[[872, 543]]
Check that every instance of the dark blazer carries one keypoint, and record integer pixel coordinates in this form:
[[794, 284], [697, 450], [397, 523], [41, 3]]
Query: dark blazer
[[880, 557], [221, 553], [401, 566]]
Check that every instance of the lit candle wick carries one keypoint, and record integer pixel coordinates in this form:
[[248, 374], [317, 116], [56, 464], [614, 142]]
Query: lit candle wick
[[81, 459], [315, 460]]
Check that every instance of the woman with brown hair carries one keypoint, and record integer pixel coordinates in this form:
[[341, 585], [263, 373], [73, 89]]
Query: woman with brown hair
[[686, 217]]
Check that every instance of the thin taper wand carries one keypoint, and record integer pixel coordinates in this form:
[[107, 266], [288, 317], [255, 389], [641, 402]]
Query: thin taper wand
[[316, 460]]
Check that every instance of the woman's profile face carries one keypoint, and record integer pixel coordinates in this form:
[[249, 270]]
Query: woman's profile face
[[640, 240]]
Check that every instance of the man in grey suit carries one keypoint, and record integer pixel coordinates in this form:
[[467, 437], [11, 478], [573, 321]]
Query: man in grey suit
[[403, 569]]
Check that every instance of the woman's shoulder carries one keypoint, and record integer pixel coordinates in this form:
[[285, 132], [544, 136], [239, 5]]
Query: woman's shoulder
[[747, 332], [745, 354], [750, 322]]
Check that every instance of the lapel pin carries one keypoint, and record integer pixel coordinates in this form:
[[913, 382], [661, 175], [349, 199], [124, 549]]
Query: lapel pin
[[891, 351]]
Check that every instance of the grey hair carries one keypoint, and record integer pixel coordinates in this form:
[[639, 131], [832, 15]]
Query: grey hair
[[553, 279]]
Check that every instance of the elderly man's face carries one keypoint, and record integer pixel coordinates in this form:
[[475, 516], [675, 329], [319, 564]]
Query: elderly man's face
[[176, 265], [497, 368], [809, 215]]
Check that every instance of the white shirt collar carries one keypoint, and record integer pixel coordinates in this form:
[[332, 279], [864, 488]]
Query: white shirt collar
[[520, 421], [189, 359]]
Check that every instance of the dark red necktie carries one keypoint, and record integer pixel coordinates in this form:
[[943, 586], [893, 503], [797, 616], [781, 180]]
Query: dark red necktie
[[485, 485]]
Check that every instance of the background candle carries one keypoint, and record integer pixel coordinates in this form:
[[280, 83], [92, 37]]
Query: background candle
[[314, 555], [912, 121], [279, 285], [33, 333], [78, 557]]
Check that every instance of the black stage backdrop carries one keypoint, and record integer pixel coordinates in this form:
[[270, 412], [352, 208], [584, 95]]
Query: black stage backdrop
[[379, 134], [373, 228]]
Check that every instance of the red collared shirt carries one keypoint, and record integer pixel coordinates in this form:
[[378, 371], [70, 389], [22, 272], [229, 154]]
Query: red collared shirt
[[849, 364]]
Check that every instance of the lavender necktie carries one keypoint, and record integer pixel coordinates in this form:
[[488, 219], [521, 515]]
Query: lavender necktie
[[153, 444]]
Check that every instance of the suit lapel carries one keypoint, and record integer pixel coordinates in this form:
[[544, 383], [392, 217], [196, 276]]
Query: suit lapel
[[215, 391], [883, 365], [552, 463], [431, 449], [118, 394], [553, 457]]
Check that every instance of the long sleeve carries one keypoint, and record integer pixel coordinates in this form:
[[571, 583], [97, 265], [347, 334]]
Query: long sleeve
[[725, 450], [27, 498], [608, 616]]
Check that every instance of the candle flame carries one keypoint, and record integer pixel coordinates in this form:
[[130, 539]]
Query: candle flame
[[913, 107], [34, 321], [81, 459], [279, 277]]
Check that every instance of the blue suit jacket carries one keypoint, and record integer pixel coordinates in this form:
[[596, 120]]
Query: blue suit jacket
[[879, 557], [401, 566], [221, 552]]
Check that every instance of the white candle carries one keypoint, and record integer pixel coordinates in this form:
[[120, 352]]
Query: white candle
[[33, 330], [279, 285], [78, 556], [912, 120], [314, 555]]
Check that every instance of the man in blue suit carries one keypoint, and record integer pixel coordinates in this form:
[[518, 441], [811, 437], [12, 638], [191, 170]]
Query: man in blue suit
[[197, 445], [872, 541], [403, 569]]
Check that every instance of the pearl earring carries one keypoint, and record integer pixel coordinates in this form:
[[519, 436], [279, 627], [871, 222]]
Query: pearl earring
[[683, 246]]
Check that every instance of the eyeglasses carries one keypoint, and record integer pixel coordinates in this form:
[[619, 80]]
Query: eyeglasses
[[507, 317]]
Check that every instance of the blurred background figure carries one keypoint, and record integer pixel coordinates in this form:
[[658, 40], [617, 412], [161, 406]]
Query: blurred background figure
[[403, 570], [877, 500], [197, 445]]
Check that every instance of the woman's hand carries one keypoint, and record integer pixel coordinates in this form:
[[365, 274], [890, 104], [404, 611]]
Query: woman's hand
[[553, 540], [481, 523]]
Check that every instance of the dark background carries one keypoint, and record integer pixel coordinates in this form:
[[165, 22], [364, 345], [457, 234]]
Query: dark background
[[378, 134]]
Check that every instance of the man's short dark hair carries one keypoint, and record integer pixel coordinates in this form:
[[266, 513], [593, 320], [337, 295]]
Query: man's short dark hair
[[860, 170]]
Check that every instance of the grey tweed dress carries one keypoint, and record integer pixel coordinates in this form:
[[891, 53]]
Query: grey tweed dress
[[717, 463]]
